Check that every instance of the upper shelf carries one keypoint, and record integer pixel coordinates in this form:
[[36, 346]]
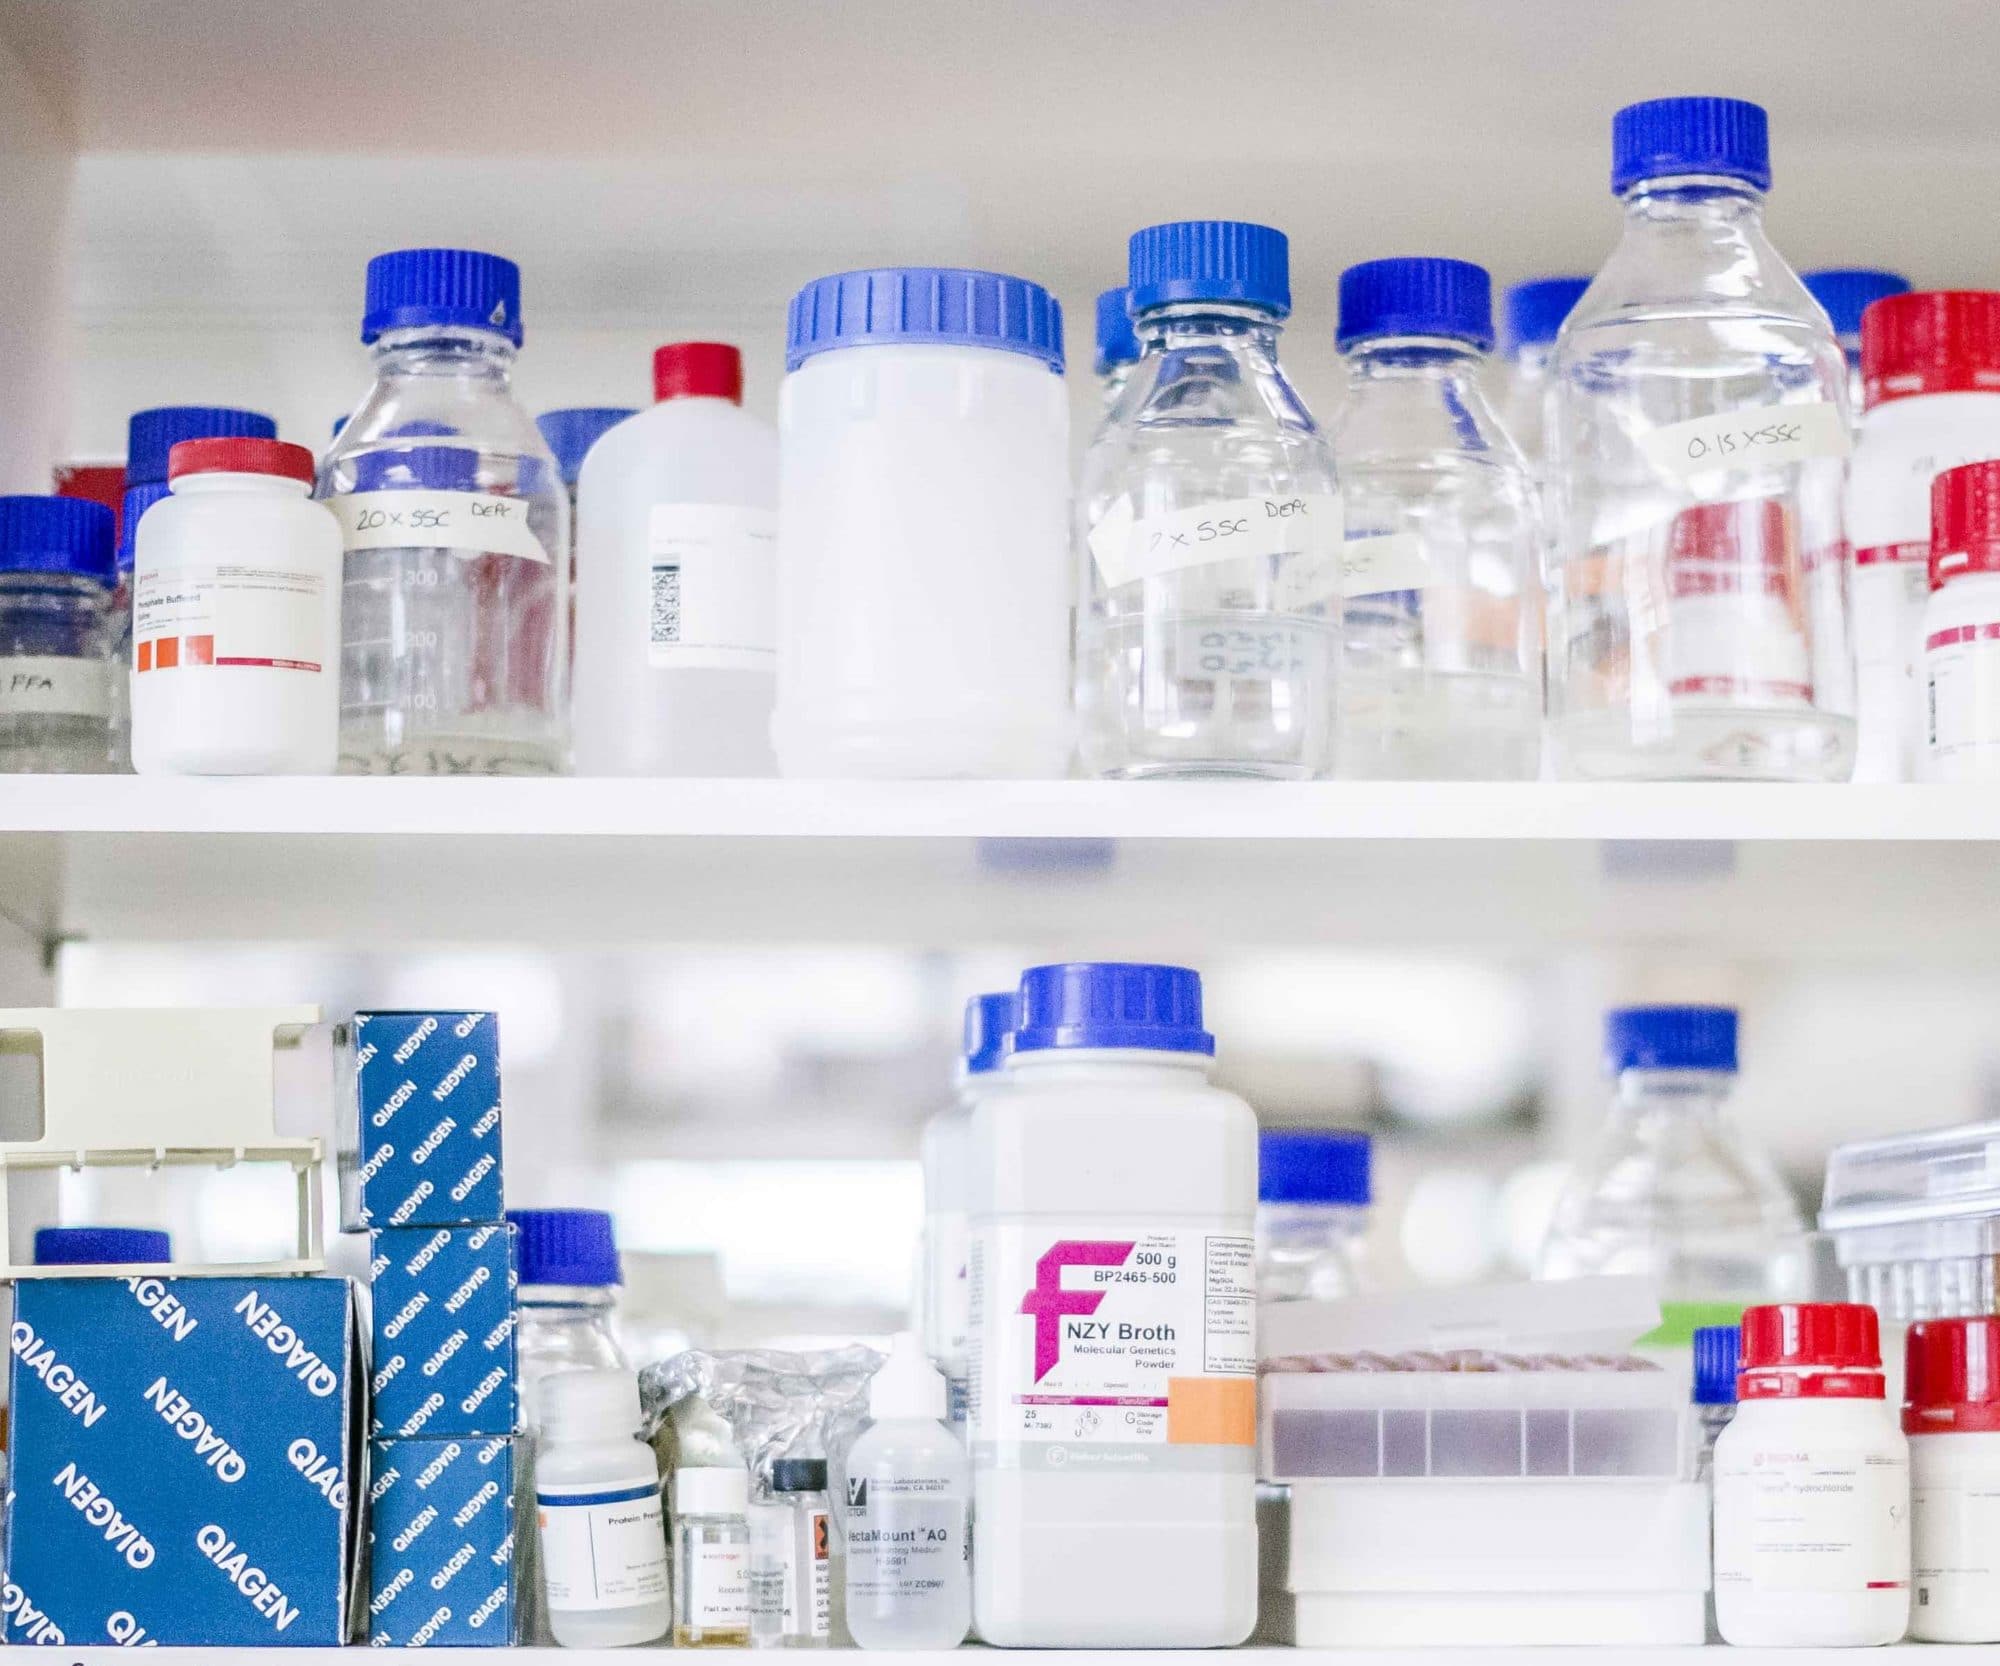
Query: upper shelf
[[1077, 866]]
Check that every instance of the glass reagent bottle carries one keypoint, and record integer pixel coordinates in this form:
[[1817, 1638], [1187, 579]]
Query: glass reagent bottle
[[56, 573], [712, 1558], [791, 1559], [1117, 344], [1313, 1192], [1534, 312]]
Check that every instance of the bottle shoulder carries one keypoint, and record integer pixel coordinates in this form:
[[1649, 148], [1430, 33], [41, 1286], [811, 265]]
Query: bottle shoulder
[[913, 1445], [610, 1463], [677, 452]]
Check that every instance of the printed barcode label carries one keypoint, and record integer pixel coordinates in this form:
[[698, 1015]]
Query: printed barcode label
[[665, 625]]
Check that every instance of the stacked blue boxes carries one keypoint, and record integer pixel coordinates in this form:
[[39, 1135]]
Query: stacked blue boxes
[[421, 1172]]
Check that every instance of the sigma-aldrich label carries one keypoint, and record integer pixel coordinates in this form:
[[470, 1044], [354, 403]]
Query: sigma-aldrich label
[[1134, 1348], [183, 1461], [420, 1134], [442, 1319], [441, 1542]]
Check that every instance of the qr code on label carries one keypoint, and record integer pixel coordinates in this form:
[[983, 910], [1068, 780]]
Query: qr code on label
[[666, 614]]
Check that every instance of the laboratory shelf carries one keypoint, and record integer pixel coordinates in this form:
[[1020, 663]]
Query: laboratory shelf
[[1878, 872], [1931, 1654]]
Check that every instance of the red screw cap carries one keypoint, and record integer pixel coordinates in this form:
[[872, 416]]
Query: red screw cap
[[1965, 521], [1952, 1376], [241, 456], [1930, 341], [1811, 1350], [698, 370]]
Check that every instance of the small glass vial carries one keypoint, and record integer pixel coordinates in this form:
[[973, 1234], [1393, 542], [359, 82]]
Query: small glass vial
[[1208, 529], [235, 664], [1313, 1192], [1117, 344], [57, 566], [1951, 1413], [1812, 1487], [1961, 629], [711, 1559], [597, 1501], [1441, 655], [791, 1559], [455, 618]]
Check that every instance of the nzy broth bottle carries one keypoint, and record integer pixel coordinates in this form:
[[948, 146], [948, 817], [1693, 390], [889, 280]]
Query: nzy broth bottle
[[1113, 1347]]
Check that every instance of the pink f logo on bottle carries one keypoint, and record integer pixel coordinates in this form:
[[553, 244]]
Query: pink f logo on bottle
[[1050, 1303]]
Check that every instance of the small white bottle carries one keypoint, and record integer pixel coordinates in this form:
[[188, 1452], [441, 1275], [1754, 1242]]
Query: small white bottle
[[597, 1498], [676, 579], [712, 1558], [1951, 1413], [1962, 627], [909, 1511], [1812, 1487], [236, 591]]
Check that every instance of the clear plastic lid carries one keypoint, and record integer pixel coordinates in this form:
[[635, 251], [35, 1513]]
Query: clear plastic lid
[[1941, 1174], [1567, 1317]]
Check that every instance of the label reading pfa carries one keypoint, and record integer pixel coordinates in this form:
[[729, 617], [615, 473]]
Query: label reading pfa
[[471, 523], [1115, 1340], [603, 1549], [1836, 1520], [1765, 436], [1128, 547], [713, 601], [230, 614], [53, 685]]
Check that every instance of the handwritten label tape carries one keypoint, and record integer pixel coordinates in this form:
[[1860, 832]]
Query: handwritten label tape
[[473, 523], [1127, 547], [1765, 436]]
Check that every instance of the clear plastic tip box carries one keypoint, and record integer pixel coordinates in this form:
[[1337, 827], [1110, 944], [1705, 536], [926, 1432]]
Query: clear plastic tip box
[[1915, 1221]]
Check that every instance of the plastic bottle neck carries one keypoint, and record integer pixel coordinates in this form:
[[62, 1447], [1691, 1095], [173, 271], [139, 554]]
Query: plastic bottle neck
[[436, 350], [1125, 1064], [584, 1304]]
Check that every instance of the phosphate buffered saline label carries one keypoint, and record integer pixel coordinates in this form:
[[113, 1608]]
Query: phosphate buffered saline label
[[1764, 436], [1832, 1519], [1127, 546], [603, 1549], [1095, 1349], [53, 685], [230, 614], [470, 523], [713, 595]]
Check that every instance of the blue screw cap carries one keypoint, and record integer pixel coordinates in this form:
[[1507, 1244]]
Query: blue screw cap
[[989, 1022], [1536, 310], [1717, 1352], [1117, 343], [1670, 1038], [565, 1246], [68, 535], [1663, 137], [571, 433], [949, 306], [1111, 1004], [101, 1246], [1314, 1165], [1418, 296], [454, 288], [151, 435], [436, 468], [1845, 292], [1231, 261]]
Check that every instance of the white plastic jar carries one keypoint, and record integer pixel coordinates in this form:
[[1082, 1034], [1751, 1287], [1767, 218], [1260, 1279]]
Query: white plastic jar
[[1931, 375], [923, 589], [236, 588], [1951, 1412], [1812, 1487], [1113, 1346], [1962, 627]]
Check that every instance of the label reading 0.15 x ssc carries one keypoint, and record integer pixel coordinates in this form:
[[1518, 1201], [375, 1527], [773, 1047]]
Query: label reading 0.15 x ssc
[[470, 523], [604, 1549], [1113, 1341]]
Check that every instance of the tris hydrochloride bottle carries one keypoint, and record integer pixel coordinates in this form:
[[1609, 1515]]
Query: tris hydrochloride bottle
[[1208, 529], [1845, 293], [1951, 1413], [150, 437], [791, 1559], [1117, 344], [56, 574], [908, 1518], [1441, 668], [1812, 1487], [456, 524], [1699, 415], [947, 1305], [1114, 1307], [676, 582], [1534, 313], [712, 1558], [597, 1500]]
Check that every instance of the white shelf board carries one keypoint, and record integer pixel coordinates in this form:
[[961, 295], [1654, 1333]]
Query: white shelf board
[[1085, 867], [1920, 1654]]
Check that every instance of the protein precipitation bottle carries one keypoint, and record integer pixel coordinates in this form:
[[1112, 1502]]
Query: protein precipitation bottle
[[1113, 1347]]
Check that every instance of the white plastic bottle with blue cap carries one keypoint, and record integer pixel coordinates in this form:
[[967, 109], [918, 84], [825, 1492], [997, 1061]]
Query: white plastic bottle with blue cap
[[946, 1152], [1533, 314], [923, 594], [1441, 646], [1698, 623], [1313, 1193], [57, 567], [1208, 529], [1114, 1356], [455, 635], [676, 581], [1670, 1189], [1117, 344]]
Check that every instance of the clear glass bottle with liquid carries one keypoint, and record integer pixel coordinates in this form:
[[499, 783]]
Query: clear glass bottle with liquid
[[455, 651], [1117, 343], [1208, 529], [791, 1559], [56, 573], [1441, 668], [1313, 1192], [1699, 421], [1670, 1190], [1533, 314], [711, 1558]]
